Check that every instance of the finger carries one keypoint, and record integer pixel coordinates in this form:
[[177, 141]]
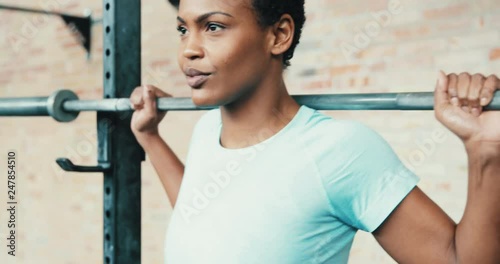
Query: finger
[[463, 90], [490, 86], [136, 98], [161, 93], [452, 90], [149, 100], [475, 87], [441, 92]]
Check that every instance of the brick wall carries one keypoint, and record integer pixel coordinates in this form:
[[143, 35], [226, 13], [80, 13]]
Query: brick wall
[[347, 47]]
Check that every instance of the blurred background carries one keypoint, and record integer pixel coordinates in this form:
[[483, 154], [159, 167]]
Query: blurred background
[[347, 46]]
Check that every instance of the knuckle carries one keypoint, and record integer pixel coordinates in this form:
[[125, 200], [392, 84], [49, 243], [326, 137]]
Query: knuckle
[[464, 75], [492, 78], [477, 76], [453, 76], [138, 98]]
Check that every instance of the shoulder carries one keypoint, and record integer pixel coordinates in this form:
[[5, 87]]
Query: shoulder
[[337, 145], [326, 133]]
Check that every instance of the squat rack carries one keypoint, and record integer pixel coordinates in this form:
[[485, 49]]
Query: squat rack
[[119, 154]]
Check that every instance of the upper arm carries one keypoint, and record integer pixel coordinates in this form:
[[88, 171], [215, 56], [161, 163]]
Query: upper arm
[[370, 189], [418, 231], [363, 177]]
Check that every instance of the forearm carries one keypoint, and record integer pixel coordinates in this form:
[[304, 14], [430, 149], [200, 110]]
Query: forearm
[[477, 238], [167, 165]]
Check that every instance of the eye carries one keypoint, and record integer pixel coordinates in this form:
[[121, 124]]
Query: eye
[[181, 30], [213, 27]]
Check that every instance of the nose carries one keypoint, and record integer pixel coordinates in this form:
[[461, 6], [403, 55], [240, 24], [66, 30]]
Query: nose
[[193, 48]]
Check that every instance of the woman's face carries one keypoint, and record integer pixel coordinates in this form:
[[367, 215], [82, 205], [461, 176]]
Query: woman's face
[[223, 51]]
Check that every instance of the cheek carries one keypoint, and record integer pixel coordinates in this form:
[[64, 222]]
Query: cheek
[[228, 55], [237, 59], [244, 47]]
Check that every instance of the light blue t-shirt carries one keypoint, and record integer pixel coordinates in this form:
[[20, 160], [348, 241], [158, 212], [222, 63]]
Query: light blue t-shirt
[[296, 197]]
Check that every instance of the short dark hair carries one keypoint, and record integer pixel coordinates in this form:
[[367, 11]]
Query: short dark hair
[[269, 12]]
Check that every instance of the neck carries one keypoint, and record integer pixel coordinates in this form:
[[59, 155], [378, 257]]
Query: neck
[[257, 115]]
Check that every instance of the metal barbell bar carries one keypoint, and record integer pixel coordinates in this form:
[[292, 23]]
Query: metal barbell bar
[[64, 105]]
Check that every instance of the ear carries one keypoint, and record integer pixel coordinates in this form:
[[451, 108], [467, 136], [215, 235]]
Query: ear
[[283, 32]]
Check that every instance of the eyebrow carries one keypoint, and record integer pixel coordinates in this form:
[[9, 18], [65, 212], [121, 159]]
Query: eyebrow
[[205, 16]]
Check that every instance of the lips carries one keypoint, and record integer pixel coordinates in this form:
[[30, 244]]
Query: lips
[[196, 78]]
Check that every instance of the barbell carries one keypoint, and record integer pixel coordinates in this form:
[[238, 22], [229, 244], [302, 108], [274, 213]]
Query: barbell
[[64, 105]]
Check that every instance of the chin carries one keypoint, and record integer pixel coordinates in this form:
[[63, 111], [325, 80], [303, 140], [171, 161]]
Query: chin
[[202, 99]]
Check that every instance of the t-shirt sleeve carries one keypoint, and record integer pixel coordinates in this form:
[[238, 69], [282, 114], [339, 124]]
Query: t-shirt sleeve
[[363, 177]]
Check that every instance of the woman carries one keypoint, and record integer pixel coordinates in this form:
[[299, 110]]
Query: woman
[[269, 181]]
